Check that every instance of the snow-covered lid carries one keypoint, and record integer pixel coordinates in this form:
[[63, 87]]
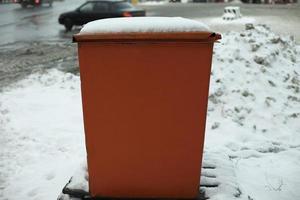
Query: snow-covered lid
[[144, 28], [143, 24]]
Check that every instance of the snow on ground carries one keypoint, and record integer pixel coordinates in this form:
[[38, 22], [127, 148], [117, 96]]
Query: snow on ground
[[42, 138], [252, 133]]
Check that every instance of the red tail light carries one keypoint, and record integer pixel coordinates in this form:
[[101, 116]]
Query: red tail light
[[127, 14], [37, 1]]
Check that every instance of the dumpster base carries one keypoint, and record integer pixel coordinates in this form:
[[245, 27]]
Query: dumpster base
[[63, 196], [74, 194], [76, 188]]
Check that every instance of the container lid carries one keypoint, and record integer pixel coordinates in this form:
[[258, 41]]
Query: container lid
[[146, 29]]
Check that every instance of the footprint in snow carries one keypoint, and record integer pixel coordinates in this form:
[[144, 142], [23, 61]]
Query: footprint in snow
[[50, 176], [32, 192]]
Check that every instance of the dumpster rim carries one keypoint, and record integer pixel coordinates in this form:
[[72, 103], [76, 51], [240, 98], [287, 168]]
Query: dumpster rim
[[146, 36]]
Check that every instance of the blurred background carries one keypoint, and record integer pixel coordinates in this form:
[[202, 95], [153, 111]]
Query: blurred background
[[39, 23]]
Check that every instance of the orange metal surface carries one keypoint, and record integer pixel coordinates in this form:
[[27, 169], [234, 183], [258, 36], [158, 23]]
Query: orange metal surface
[[144, 104]]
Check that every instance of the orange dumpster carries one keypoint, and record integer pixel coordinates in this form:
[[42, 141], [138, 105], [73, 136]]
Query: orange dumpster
[[144, 98]]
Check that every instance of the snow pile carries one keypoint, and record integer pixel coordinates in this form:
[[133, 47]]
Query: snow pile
[[255, 84], [143, 24], [252, 133], [254, 112]]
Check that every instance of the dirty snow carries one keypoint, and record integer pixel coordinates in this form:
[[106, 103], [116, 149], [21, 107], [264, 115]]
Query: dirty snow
[[252, 131], [254, 111], [143, 24]]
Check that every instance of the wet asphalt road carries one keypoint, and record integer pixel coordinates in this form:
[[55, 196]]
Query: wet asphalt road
[[32, 24], [38, 24]]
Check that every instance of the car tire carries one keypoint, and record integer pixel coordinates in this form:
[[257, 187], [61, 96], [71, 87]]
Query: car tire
[[68, 24]]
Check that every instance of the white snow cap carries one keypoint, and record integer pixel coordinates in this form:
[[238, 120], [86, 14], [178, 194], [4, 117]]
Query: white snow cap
[[144, 24]]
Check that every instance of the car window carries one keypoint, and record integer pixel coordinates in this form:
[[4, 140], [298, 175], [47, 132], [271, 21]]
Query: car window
[[88, 7], [101, 7], [121, 5]]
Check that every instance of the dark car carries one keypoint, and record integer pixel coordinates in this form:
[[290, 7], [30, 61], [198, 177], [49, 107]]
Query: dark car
[[25, 3], [99, 9]]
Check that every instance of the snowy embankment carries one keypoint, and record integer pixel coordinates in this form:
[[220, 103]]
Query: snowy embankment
[[252, 133], [254, 113]]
